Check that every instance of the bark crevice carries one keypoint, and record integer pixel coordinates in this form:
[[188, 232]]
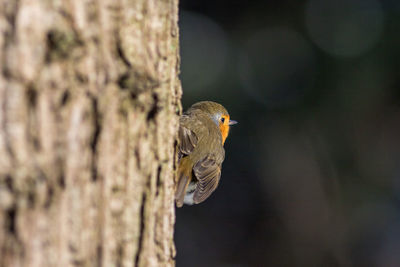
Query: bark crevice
[[141, 230]]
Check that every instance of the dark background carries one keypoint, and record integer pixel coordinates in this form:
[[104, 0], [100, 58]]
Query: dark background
[[312, 170]]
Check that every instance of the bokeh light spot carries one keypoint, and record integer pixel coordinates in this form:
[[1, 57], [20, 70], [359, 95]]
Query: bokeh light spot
[[277, 67], [344, 27]]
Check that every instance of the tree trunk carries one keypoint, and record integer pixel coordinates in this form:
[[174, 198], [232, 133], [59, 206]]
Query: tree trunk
[[89, 103]]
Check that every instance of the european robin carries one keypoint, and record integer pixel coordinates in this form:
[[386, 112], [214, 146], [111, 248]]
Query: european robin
[[203, 130]]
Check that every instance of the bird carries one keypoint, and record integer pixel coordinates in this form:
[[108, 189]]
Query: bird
[[203, 130]]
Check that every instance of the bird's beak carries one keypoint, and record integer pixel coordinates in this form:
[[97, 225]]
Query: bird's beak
[[232, 122]]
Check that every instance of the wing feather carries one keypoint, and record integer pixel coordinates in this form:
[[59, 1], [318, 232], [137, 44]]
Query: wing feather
[[208, 173], [187, 138]]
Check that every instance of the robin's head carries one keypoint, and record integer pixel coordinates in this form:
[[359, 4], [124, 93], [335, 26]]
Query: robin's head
[[218, 114]]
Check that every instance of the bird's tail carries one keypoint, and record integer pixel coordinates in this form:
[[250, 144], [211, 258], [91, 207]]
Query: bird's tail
[[184, 177]]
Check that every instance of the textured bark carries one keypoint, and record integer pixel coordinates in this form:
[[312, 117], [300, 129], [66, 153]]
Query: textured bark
[[89, 103]]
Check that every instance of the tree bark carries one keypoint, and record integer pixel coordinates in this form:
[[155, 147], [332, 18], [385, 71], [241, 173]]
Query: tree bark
[[89, 104]]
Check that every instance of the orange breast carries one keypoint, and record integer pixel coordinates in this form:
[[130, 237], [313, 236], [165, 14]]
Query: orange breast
[[224, 131]]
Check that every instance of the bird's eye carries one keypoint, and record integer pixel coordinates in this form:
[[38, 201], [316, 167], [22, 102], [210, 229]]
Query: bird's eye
[[222, 119]]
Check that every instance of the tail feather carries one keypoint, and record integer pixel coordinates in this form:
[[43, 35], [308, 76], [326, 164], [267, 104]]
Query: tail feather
[[184, 178]]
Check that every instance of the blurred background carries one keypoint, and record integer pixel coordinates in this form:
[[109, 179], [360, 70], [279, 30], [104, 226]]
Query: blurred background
[[312, 170]]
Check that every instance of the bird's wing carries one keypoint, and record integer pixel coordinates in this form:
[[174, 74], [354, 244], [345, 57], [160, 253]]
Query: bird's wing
[[208, 173], [187, 138]]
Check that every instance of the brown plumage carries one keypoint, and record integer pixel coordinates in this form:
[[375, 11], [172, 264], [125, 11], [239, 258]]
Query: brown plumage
[[203, 130]]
